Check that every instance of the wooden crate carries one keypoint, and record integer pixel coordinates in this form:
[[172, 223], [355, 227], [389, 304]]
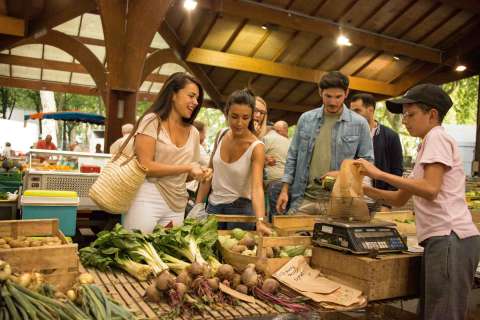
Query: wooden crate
[[407, 229], [59, 264], [385, 277], [292, 224], [239, 261]]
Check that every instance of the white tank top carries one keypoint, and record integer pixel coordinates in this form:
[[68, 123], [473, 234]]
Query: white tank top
[[232, 180]]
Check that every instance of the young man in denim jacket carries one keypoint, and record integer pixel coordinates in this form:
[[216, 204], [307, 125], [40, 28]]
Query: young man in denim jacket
[[324, 137]]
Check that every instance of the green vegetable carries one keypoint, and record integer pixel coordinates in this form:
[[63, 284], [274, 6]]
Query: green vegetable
[[238, 233], [124, 249], [193, 240], [293, 251]]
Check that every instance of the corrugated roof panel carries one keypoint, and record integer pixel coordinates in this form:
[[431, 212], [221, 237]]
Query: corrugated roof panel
[[57, 76], [158, 42], [83, 79], [70, 27], [156, 87], [169, 68], [145, 86], [4, 69], [26, 72], [98, 51], [28, 50], [53, 53], [91, 26]]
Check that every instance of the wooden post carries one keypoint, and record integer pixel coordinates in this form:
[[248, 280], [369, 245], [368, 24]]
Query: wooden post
[[477, 139], [121, 106]]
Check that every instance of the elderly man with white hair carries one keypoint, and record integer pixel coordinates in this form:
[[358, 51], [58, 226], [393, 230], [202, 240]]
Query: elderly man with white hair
[[126, 129]]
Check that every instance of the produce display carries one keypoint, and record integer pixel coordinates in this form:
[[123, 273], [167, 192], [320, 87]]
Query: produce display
[[25, 242], [27, 296], [183, 267], [245, 243], [473, 199], [11, 166]]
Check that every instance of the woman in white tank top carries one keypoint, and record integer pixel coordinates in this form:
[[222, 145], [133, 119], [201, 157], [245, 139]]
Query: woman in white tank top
[[237, 184]]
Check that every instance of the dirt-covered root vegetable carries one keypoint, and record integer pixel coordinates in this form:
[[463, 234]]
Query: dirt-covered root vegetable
[[24, 279], [184, 277], [181, 289], [213, 283], [269, 252], [250, 277], [225, 272], [242, 288], [71, 295], [271, 286], [236, 280], [196, 269], [248, 241], [261, 266], [152, 294], [238, 248], [5, 270], [164, 281], [86, 278]]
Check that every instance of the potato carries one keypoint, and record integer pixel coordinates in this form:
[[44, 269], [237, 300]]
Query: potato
[[2, 241], [5, 246], [16, 244], [36, 243]]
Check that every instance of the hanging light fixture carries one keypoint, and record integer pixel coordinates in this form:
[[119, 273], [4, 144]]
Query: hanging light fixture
[[343, 40], [460, 67], [190, 4]]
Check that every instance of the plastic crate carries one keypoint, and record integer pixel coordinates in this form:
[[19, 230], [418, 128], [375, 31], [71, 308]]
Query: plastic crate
[[10, 181], [50, 207]]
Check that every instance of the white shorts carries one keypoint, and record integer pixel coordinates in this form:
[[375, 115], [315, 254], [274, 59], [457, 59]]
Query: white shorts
[[149, 209]]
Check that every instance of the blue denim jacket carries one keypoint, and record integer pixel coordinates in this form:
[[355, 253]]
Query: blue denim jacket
[[350, 140]]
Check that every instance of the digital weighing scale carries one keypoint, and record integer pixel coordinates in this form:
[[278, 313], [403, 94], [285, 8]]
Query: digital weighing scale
[[358, 237]]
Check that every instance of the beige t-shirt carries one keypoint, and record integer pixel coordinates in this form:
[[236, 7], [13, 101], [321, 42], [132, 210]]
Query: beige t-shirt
[[172, 188], [322, 155], [277, 146]]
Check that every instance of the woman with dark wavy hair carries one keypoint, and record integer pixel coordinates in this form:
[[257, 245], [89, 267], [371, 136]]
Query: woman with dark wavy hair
[[167, 145], [237, 184]]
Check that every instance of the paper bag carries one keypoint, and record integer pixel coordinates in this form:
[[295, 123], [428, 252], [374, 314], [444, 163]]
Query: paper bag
[[299, 276], [346, 200]]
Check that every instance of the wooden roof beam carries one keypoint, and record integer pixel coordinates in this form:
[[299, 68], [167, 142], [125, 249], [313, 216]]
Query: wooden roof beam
[[467, 5], [323, 27], [12, 26], [60, 66], [47, 85], [174, 42], [266, 67]]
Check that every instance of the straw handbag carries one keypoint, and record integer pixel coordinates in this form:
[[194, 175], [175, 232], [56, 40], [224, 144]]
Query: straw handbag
[[117, 185]]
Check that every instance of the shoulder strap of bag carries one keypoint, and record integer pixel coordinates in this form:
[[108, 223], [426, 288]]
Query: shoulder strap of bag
[[133, 135], [219, 137]]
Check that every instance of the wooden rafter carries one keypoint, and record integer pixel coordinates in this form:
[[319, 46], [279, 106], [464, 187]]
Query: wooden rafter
[[58, 65], [174, 42], [12, 26], [468, 5], [326, 28], [237, 62]]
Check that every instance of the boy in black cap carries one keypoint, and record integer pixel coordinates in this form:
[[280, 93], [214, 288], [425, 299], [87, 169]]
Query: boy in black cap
[[437, 183]]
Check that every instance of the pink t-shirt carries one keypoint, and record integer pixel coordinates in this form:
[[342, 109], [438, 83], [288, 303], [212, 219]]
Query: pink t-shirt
[[449, 211]]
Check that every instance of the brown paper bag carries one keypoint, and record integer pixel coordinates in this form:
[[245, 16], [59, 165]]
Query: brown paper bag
[[346, 200], [299, 276]]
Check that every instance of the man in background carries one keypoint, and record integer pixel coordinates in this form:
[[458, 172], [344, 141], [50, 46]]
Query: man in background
[[46, 144], [126, 130], [276, 150], [386, 142], [281, 127]]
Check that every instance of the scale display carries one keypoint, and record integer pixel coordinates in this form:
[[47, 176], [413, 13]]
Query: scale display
[[359, 238]]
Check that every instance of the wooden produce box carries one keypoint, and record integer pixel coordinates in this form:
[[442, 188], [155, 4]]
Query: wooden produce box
[[388, 276], [58, 263], [239, 261], [292, 224], [406, 229]]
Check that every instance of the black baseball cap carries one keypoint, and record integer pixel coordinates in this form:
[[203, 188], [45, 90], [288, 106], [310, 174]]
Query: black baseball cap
[[427, 93]]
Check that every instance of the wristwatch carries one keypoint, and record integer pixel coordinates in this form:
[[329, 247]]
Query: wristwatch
[[260, 219]]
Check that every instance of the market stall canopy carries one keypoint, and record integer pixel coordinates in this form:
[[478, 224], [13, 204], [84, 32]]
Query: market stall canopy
[[68, 116]]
